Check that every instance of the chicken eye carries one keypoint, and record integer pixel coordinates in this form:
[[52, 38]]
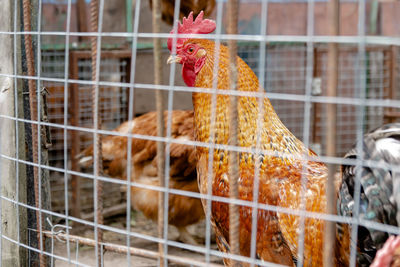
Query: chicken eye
[[190, 49]]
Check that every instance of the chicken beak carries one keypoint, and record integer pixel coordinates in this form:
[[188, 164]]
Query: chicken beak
[[176, 59]]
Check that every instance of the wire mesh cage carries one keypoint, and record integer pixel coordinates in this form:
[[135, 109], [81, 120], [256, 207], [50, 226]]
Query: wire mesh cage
[[109, 155]]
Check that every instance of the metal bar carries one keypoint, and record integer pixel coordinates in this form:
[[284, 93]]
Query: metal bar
[[260, 118], [373, 40], [212, 137], [108, 212], [306, 130], [272, 96], [130, 169], [65, 122], [167, 159], [75, 137], [360, 115], [124, 249], [234, 217], [353, 48], [85, 54], [332, 73], [156, 12], [98, 159], [33, 112]]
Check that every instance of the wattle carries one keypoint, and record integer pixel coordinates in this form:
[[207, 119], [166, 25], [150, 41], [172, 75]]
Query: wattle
[[190, 71], [188, 75]]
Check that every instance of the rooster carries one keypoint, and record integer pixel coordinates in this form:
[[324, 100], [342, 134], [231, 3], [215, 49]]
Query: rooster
[[380, 189], [183, 211], [281, 169]]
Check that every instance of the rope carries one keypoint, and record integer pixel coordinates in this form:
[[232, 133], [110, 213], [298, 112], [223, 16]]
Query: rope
[[33, 112], [160, 123], [94, 17], [234, 217]]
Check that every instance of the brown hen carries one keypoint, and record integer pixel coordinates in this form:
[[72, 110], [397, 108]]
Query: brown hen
[[183, 211]]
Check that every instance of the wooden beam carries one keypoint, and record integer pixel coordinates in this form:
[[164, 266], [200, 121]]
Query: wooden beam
[[82, 19], [333, 77], [13, 218]]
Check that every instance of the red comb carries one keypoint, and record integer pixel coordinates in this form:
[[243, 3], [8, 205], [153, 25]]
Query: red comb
[[199, 25]]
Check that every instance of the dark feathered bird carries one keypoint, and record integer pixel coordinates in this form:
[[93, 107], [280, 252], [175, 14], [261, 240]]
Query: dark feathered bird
[[380, 189]]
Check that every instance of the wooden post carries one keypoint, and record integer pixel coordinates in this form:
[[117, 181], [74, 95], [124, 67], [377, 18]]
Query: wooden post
[[82, 19], [316, 107], [158, 67], [11, 223], [332, 71], [391, 114]]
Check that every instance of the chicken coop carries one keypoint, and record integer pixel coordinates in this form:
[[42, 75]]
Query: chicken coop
[[131, 134]]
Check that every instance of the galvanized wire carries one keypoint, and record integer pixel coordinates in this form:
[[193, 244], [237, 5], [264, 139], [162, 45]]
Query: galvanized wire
[[65, 122], [360, 134], [261, 114], [163, 189], [130, 169], [234, 216], [126, 249]]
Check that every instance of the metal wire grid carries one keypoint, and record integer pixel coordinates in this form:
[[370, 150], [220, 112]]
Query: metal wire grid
[[113, 104], [377, 82], [360, 104], [113, 110], [285, 73]]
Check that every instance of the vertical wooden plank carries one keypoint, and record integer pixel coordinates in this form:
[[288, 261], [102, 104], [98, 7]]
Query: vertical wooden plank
[[158, 67], [395, 72], [11, 226], [75, 138], [315, 106], [128, 80], [82, 19], [390, 56], [333, 73], [45, 173]]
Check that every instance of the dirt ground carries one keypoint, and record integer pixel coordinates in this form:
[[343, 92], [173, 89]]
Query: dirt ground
[[139, 224]]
